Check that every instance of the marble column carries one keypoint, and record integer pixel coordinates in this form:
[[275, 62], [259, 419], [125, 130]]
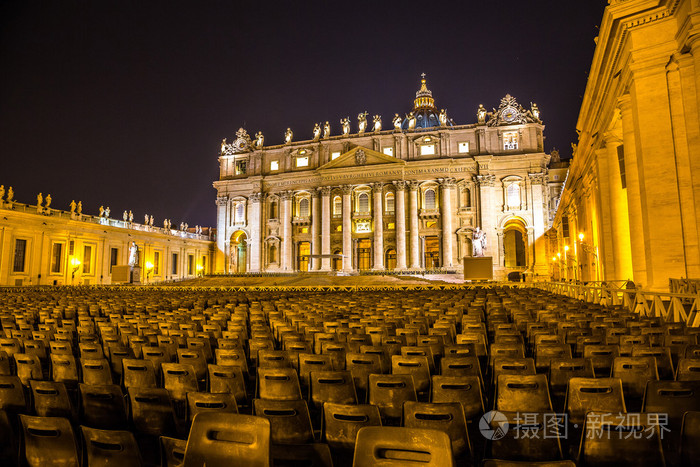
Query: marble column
[[315, 263], [487, 206], [413, 215], [377, 189], [221, 258], [347, 228], [254, 216], [286, 263], [400, 210], [447, 185], [538, 188], [325, 227]]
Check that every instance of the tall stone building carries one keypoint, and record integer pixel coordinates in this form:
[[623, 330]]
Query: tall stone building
[[630, 207], [409, 197]]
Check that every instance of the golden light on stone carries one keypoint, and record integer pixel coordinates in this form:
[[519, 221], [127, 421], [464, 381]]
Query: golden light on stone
[[566, 247], [75, 262], [149, 266], [580, 236]]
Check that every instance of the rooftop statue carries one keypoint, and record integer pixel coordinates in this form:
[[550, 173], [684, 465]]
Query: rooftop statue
[[259, 139], [2, 192], [362, 122], [535, 111], [73, 206], [345, 123], [102, 211], [223, 146], [411, 120], [377, 120], [131, 216], [80, 207], [10, 195], [317, 131], [288, 136], [48, 201], [107, 212], [39, 200], [443, 117], [481, 114], [326, 130], [396, 121], [125, 216]]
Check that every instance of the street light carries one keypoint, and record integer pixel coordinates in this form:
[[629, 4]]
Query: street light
[[75, 264], [149, 268]]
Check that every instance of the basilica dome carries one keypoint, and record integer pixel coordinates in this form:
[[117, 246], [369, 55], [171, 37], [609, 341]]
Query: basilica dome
[[424, 113]]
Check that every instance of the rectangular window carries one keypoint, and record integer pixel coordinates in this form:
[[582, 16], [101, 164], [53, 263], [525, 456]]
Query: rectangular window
[[57, 258], [335, 155], [190, 265], [20, 252], [303, 161], [430, 224], [173, 269], [113, 258], [427, 150], [241, 167], [390, 226], [274, 165], [71, 248], [463, 147], [304, 230], [510, 140], [87, 259], [621, 161], [565, 227], [388, 151], [204, 264], [156, 263]]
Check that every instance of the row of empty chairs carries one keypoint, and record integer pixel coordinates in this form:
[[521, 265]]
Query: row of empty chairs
[[146, 373]]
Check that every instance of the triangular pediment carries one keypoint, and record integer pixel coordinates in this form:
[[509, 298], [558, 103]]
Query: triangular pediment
[[360, 157]]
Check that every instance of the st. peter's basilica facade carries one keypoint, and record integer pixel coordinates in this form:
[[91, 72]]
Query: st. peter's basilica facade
[[414, 196]]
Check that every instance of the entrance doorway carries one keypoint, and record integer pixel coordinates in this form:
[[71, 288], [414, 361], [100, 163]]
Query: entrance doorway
[[238, 254], [514, 246], [390, 259], [364, 254], [432, 252], [337, 263], [303, 252]]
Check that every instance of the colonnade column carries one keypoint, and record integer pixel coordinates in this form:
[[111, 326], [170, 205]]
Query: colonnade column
[[415, 247], [447, 184], [400, 224], [315, 263], [347, 228], [286, 251], [325, 227], [378, 226], [254, 226]]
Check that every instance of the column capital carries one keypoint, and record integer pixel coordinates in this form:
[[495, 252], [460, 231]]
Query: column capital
[[537, 178], [413, 184], [221, 200], [400, 184], [612, 137], [624, 103], [347, 189], [285, 195], [324, 190], [377, 187], [315, 193], [256, 197], [485, 180], [446, 183]]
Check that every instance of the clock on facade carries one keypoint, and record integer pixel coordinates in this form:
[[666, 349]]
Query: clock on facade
[[509, 114]]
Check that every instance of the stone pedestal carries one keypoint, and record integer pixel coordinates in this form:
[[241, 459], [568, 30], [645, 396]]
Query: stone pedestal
[[478, 268]]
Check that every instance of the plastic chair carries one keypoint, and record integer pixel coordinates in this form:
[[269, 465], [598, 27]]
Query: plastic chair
[[103, 448], [689, 449], [601, 357], [397, 446], [331, 386], [228, 379], [64, 369], [138, 373], [179, 379], [341, 422], [222, 439], [620, 440], [521, 393], [28, 368], [194, 357], [47, 441], [198, 402], [688, 369], [96, 372], [562, 370], [313, 362], [446, 417], [172, 451], [523, 436], [593, 394], [51, 399], [463, 389], [152, 411], [512, 366], [361, 366], [506, 463], [389, 392], [634, 373], [290, 421], [273, 359], [308, 455], [544, 353], [103, 406], [12, 395], [416, 366], [280, 384]]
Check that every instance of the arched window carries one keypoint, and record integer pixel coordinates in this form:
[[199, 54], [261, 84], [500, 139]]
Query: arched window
[[304, 207], [337, 206], [273, 254], [389, 202], [466, 198], [429, 199], [273, 210], [513, 196], [240, 212], [363, 201]]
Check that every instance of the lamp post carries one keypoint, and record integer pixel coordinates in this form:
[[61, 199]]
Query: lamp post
[[149, 269], [75, 264]]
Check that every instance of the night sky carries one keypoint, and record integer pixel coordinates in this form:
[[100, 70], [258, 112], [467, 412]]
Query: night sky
[[125, 103]]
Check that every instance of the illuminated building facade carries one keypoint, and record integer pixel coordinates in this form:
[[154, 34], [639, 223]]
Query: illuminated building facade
[[409, 197]]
